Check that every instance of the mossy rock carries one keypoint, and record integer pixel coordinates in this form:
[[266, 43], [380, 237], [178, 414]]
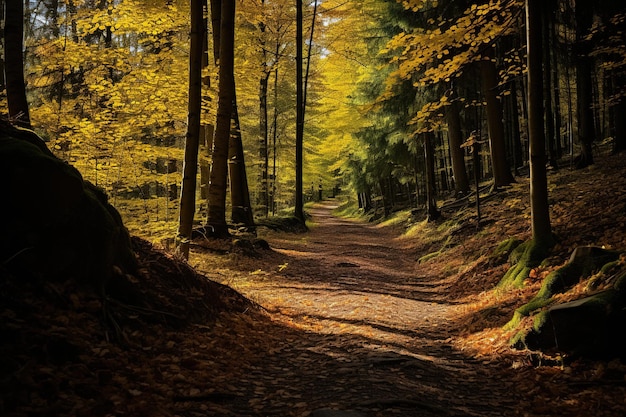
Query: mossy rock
[[56, 226], [589, 259], [592, 326]]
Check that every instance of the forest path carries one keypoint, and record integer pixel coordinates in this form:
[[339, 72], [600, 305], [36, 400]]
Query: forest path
[[346, 276], [360, 329]]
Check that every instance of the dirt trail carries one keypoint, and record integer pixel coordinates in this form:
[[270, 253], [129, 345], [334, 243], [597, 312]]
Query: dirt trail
[[358, 274], [372, 331]]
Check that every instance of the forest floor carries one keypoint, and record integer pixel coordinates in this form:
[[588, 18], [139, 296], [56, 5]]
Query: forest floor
[[349, 319], [401, 318]]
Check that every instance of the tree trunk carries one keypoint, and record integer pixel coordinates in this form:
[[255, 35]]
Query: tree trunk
[[547, 83], [14, 62], [518, 154], [3, 84], [457, 154], [584, 89], [299, 203], [274, 188], [501, 173], [263, 199], [206, 130], [216, 24], [263, 144], [305, 86], [539, 207], [216, 218], [432, 212], [239, 193], [556, 94], [190, 169], [619, 128]]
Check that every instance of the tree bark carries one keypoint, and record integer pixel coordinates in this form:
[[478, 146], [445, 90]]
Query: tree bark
[[501, 173], [216, 218], [206, 130], [299, 203], [305, 86], [584, 93], [518, 154], [619, 117], [216, 23], [539, 207], [239, 194], [457, 154], [546, 14], [274, 188], [556, 81], [263, 199], [432, 212], [190, 169], [14, 63]]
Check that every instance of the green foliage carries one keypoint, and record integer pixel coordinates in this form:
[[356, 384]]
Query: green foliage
[[349, 207]]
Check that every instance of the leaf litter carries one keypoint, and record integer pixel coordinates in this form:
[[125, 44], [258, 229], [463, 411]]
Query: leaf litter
[[391, 337]]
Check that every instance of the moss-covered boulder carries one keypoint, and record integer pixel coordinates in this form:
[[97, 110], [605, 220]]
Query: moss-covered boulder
[[55, 225], [593, 325]]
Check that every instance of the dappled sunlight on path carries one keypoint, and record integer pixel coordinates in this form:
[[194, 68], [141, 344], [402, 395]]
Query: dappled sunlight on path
[[373, 332]]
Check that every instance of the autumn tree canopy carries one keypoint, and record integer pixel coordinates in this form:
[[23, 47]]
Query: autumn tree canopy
[[107, 85]]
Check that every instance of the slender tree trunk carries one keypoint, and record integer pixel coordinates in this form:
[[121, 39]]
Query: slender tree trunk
[[584, 88], [547, 83], [216, 24], [443, 163], [190, 169], [620, 126], [619, 116], [457, 154], [569, 142], [3, 84], [299, 203], [263, 200], [429, 154], [501, 173], [274, 188], [556, 82], [206, 130], [308, 60], [14, 62], [219, 169], [239, 192], [518, 155], [539, 207]]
